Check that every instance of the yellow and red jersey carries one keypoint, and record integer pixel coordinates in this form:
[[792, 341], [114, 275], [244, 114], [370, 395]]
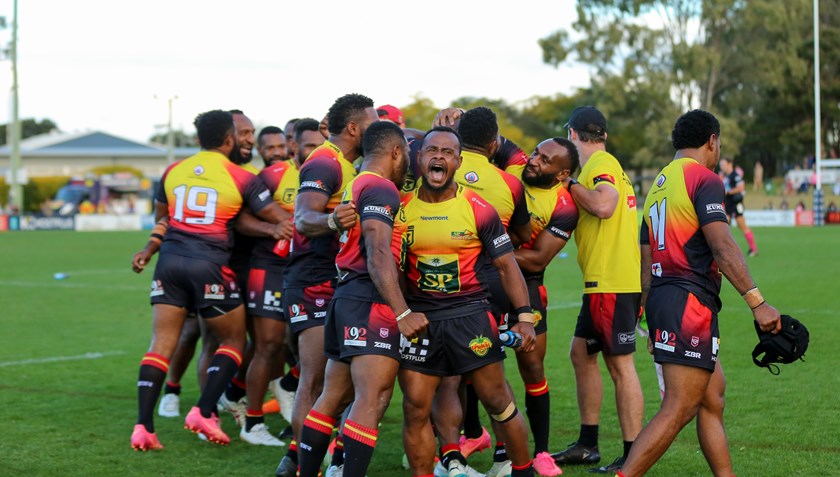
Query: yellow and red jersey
[[444, 244], [552, 210], [685, 197], [204, 193], [608, 252], [376, 198], [282, 180], [501, 189], [312, 260]]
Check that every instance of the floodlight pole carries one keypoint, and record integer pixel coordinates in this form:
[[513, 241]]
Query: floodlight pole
[[13, 133], [818, 193], [170, 134]]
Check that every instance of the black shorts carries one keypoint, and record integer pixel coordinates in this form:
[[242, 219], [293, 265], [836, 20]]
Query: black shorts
[[734, 209], [499, 302], [307, 307], [683, 330], [607, 321], [538, 296], [265, 294], [356, 328], [454, 346], [193, 283]]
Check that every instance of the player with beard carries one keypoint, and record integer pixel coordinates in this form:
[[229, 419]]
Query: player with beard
[[234, 398], [367, 315], [320, 217], [553, 218], [201, 196], [448, 231], [272, 145]]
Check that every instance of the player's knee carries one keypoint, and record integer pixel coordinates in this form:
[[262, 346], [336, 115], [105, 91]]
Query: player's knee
[[505, 414], [416, 411]]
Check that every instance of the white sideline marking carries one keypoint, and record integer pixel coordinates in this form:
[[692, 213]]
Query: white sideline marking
[[94, 355]]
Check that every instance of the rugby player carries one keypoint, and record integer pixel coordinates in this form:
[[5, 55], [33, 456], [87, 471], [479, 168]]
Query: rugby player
[[201, 196], [447, 232], [320, 216], [265, 284], [553, 218], [289, 131], [608, 255], [308, 138], [367, 315], [735, 186], [686, 245]]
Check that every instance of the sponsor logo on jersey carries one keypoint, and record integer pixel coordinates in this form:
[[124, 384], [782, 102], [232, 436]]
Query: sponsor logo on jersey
[[298, 313], [271, 299], [214, 291], [559, 233], [319, 302], [384, 332], [480, 345], [471, 177], [462, 235], [537, 317], [631, 201], [379, 344], [656, 269], [355, 336], [440, 273], [715, 208], [692, 354], [660, 180], [313, 185], [434, 217], [376, 209], [288, 196], [157, 288], [264, 195], [501, 240], [198, 170], [695, 340], [414, 350]]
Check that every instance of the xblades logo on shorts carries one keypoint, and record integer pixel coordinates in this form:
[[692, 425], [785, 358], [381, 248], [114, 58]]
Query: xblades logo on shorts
[[480, 345]]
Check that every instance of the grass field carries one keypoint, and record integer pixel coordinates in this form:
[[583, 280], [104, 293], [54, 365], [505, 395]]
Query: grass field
[[70, 351]]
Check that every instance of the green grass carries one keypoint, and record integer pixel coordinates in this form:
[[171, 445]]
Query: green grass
[[74, 417]]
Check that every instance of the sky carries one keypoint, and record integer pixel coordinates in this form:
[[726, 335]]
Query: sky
[[111, 65]]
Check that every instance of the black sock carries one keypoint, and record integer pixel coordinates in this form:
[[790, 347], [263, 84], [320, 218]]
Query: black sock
[[359, 443], [235, 390], [472, 424], [627, 445], [338, 452], [252, 418], [528, 471], [289, 382], [172, 388], [538, 410], [222, 367], [314, 442], [292, 453], [500, 454], [451, 452], [588, 435], [153, 368]]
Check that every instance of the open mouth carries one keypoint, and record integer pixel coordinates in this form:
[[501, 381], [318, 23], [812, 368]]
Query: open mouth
[[437, 172]]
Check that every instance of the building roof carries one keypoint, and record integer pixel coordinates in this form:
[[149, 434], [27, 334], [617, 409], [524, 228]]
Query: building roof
[[90, 144]]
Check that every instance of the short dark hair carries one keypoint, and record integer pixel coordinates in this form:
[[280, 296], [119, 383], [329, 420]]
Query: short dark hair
[[693, 129], [478, 127], [306, 124], [345, 109], [378, 137], [595, 138], [212, 127], [236, 111], [574, 157], [445, 129], [268, 130]]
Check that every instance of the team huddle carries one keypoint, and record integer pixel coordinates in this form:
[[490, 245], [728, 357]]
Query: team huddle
[[366, 254]]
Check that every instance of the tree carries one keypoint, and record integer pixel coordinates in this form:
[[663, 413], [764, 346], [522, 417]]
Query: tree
[[29, 127], [420, 113], [180, 139]]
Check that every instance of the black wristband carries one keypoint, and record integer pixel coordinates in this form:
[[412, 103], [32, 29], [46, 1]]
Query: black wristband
[[156, 236], [523, 309]]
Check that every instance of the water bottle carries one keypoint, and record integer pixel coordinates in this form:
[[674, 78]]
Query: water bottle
[[511, 339]]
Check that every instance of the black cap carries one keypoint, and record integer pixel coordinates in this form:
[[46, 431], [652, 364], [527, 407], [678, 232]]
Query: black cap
[[587, 119]]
